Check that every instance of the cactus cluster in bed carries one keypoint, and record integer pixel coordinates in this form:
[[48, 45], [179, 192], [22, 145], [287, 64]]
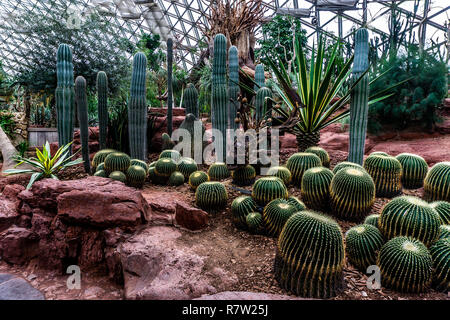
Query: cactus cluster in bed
[[240, 208]]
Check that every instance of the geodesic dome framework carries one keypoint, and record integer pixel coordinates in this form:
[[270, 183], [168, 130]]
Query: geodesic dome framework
[[180, 19]]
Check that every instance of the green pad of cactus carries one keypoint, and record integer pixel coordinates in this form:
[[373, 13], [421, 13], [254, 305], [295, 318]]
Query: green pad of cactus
[[299, 162], [440, 253], [443, 210], [346, 164], [322, 154], [310, 255], [267, 189], [275, 215], [281, 172], [255, 222], [117, 161], [118, 176], [386, 172], [372, 220], [187, 166], [405, 265], [437, 182], [197, 178], [362, 245], [240, 208], [211, 195], [244, 175], [173, 154], [218, 171], [176, 179], [136, 176], [414, 170], [409, 216], [315, 190]]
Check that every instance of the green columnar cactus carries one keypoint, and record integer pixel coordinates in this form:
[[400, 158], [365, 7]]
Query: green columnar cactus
[[354, 205], [233, 86], [197, 178], [443, 210], [444, 231], [240, 208], [281, 172], [102, 98], [260, 77], [372, 220], [191, 124], [275, 215], [219, 94], [190, 100], [267, 189], [211, 196], [100, 157], [437, 182], [310, 255], [137, 109], [118, 176], [136, 176], [65, 95], [117, 161], [176, 179], [315, 190], [218, 171], [409, 216], [83, 119], [299, 162], [262, 103], [169, 86], [414, 170], [346, 164], [140, 163], [405, 265], [440, 254], [322, 154], [100, 173], [386, 172], [255, 223], [362, 245], [164, 167], [172, 154], [187, 166], [298, 205], [359, 102], [244, 175]]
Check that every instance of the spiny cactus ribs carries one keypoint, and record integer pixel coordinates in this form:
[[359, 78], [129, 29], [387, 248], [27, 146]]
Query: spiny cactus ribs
[[440, 253], [322, 154], [102, 98], [240, 208], [267, 189], [83, 119], [244, 175], [117, 161], [100, 157], [315, 190], [172, 154], [218, 171], [386, 172], [437, 182], [275, 215], [255, 222], [118, 176], [414, 170], [281, 172], [362, 245], [346, 164], [187, 166], [197, 178], [136, 176], [442, 208], [176, 179], [211, 196], [298, 163]]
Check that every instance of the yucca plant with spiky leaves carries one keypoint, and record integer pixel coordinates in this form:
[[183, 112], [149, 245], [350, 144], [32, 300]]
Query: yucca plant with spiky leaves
[[44, 165]]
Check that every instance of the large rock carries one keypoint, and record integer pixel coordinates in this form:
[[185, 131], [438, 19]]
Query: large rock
[[191, 218], [15, 288], [157, 266], [18, 245], [163, 205], [8, 205]]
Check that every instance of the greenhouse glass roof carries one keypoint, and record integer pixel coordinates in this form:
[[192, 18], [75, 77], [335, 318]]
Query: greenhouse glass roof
[[180, 19]]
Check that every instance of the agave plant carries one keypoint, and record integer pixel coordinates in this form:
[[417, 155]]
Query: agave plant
[[45, 165]]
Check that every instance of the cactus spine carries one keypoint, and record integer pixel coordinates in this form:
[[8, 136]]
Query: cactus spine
[[169, 85], [233, 87], [102, 98], [81, 99], [359, 106], [137, 109], [219, 99], [190, 100], [65, 95], [260, 77]]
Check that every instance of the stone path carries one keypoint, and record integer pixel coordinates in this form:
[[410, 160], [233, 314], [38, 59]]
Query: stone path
[[15, 288]]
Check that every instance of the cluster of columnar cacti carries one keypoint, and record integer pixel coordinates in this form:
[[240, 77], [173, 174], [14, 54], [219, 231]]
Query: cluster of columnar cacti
[[255, 223], [83, 120], [197, 178], [437, 182], [267, 189], [372, 220], [190, 101], [346, 164], [405, 265], [299, 162], [240, 208], [211, 195], [176, 179], [136, 176], [315, 188], [187, 166], [414, 170], [354, 205], [137, 108], [169, 85], [218, 171], [244, 175], [102, 100], [440, 254], [409, 216], [65, 95], [443, 210], [262, 103], [359, 102], [281, 172], [386, 172], [275, 215], [233, 86], [362, 245], [310, 255], [322, 154]]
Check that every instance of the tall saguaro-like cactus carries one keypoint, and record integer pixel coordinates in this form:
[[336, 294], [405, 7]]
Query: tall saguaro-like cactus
[[359, 106], [65, 95], [260, 77], [102, 98], [81, 100], [262, 104], [137, 109], [219, 95], [169, 85], [190, 100], [233, 86]]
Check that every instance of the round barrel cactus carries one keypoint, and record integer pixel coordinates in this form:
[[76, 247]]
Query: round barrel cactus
[[299, 162], [437, 182], [386, 172], [409, 216], [443, 210], [173, 154], [346, 164], [187, 166], [280, 172], [297, 203], [275, 215], [362, 245], [100, 173], [211, 195], [164, 167], [372, 220], [322, 154], [218, 171], [176, 179], [255, 222], [118, 176], [405, 265], [315, 190], [310, 255], [440, 253], [197, 178], [244, 175], [100, 157], [444, 231], [136, 176], [379, 153], [240, 208], [117, 161], [101, 166], [140, 163], [414, 170], [267, 189], [354, 205]]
